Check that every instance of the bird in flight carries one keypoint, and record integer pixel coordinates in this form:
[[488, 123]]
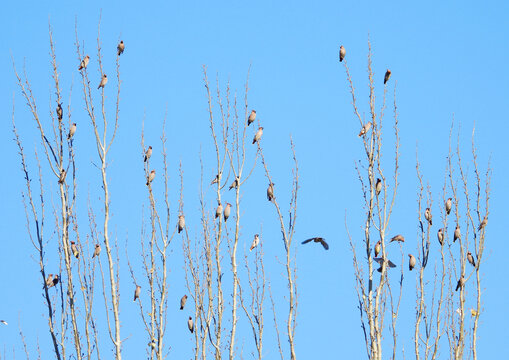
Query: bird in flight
[[318, 240]]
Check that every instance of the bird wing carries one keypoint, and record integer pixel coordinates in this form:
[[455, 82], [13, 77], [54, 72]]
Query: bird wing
[[391, 264], [325, 245], [379, 260], [308, 240]]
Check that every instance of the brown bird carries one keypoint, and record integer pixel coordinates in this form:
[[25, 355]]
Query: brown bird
[[181, 223], [120, 48], [381, 262], [461, 282], [49, 280], [215, 181], [251, 118], [470, 259], [270, 192], [104, 81], [378, 247], [428, 216], [148, 154], [387, 76], [55, 280], [61, 179], [97, 250], [448, 206], [399, 238], [440, 235], [227, 209], [365, 129], [151, 176], [342, 53], [72, 130], [137, 292], [411, 261], [378, 186], [84, 62], [457, 233], [74, 250], [235, 184], [258, 135], [483, 223], [318, 240], [219, 210], [60, 112], [255, 243], [190, 324], [183, 302]]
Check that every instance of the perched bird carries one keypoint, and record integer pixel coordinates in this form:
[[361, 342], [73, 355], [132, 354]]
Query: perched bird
[[365, 129], [440, 235], [215, 181], [318, 240], [97, 250], [62, 176], [342, 53], [104, 81], [84, 62], [378, 247], [483, 223], [411, 261], [3, 322], [470, 259], [227, 210], [72, 130], [55, 280], [270, 192], [428, 216], [448, 206], [378, 186], [461, 282], [251, 118], [74, 250], [381, 261], [399, 238], [387, 76], [120, 48], [473, 312], [137, 292], [151, 176], [183, 302], [190, 324], [457, 233], [219, 210], [181, 223], [49, 280], [148, 154], [258, 135], [235, 184], [60, 112], [152, 344], [255, 243]]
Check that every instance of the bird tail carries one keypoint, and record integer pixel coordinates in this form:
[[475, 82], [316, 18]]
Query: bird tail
[[181, 307]]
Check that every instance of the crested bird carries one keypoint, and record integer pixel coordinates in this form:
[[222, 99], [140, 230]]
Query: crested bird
[[470, 259], [181, 223], [120, 47], [137, 292], [74, 250], [342, 53], [97, 250], [270, 192], [255, 242], [62, 176], [440, 236], [258, 135], [461, 282], [428, 216], [235, 183], [448, 206], [104, 81], [183, 302], [387, 76], [378, 247], [365, 129], [60, 112], [483, 223], [151, 176], [251, 118], [49, 280], [219, 210], [378, 186], [215, 181], [227, 210], [399, 238], [72, 130], [148, 154], [411, 261], [457, 233], [84, 62], [318, 240], [190, 324]]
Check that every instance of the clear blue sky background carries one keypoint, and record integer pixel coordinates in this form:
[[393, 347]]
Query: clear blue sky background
[[448, 58]]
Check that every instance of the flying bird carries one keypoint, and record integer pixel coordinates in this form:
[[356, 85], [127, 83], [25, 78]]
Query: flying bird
[[181, 223], [365, 129], [428, 216], [381, 262], [448, 206], [251, 118], [318, 240], [461, 282], [4, 322], [190, 324], [120, 48], [378, 247], [104, 81], [470, 259], [227, 209], [97, 250], [235, 184], [342, 53], [387, 76], [399, 238], [411, 261], [148, 154], [151, 176], [457, 233], [137, 292], [72, 130], [255, 243], [483, 223], [219, 210], [378, 186], [84, 62], [74, 250], [60, 112], [258, 135], [440, 235], [270, 192], [183, 302]]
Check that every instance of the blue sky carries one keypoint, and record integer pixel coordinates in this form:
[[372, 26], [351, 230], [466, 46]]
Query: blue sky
[[449, 59]]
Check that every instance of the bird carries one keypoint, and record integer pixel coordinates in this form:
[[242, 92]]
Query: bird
[[62, 176], [483, 223], [97, 250], [457, 233], [49, 280], [473, 312], [60, 112], [235, 183], [120, 48], [365, 129], [181, 223], [411, 261], [255, 243], [378, 247], [258, 135], [470, 259], [4, 322], [251, 118], [148, 154], [318, 240], [152, 344], [378, 186], [270, 192], [448, 206], [72, 130], [342, 53], [55, 281], [151, 176], [387, 76], [227, 209], [137, 292], [440, 235], [183, 302], [219, 210], [381, 261], [215, 180], [74, 250], [104, 81], [399, 238], [428, 216], [84, 62], [461, 282], [190, 324]]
